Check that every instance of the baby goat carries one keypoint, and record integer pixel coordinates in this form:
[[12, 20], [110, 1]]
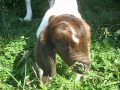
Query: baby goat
[[68, 36], [62, 31]]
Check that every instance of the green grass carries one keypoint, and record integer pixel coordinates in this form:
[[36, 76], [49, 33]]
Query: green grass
[[17, 41]]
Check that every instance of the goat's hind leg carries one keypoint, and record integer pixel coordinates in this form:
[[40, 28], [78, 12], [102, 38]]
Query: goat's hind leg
[[28, 15], [51, 2]]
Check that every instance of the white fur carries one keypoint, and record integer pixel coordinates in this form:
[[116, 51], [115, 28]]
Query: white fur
[[78, 77], [60, 7], [40, 72], [75, 39]]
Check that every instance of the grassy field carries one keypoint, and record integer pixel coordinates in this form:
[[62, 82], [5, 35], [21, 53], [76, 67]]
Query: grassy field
[[17, 41]]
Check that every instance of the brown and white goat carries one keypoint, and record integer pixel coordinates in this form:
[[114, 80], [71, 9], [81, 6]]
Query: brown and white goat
[[68, 36]]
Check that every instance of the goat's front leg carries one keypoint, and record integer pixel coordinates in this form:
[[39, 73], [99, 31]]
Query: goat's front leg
[[78, 77], [81, 69], [45, 58], [28, 15], [43, 79]]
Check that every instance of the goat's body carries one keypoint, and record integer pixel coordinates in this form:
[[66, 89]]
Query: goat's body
[[60, 7], [58, 37], [62, 31]]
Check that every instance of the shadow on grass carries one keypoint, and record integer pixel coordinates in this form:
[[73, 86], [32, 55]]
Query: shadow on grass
[[104, 19], [24, 61], [12, 28]]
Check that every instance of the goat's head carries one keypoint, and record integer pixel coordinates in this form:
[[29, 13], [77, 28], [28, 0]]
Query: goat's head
[[70, 38]]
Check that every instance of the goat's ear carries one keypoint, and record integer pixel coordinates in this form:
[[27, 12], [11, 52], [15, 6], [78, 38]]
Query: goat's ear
[[45, 56]]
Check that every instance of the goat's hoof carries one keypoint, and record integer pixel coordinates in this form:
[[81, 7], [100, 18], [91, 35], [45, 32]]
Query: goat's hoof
[[24, 19]]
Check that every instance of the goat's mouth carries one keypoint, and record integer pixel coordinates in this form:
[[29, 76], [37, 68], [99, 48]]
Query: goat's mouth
[[80, 68]]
